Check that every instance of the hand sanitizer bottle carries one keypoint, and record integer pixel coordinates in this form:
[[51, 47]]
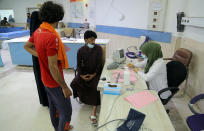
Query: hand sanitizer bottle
[[126, 76]]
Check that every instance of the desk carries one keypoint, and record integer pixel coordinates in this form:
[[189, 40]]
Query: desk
[[116, 107], [20, 57], [156, 117], [140, 83], [1, 63]]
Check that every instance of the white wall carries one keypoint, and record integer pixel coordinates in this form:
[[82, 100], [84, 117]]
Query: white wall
[[195, 8], [173, 6], [191, 8], [66, 6], [19, 7], [122, 13]]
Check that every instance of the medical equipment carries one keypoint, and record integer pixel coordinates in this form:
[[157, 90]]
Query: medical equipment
[[133, 122], [113, 65], [118, 56], [133, 52]]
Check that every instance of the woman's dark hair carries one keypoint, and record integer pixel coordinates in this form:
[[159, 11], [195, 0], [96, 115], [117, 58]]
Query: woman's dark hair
[[35, 22], [89, 34], [51, 12]]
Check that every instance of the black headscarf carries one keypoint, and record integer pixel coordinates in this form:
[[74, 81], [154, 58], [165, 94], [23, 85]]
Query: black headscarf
[[35, 22]]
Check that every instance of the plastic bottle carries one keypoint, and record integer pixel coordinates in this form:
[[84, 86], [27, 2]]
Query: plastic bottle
[[126, 76]]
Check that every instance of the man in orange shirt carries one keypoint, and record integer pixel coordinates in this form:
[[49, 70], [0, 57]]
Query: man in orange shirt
[[46, 44]]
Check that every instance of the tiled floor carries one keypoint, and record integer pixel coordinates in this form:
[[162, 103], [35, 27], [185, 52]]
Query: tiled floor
[[20, 109]]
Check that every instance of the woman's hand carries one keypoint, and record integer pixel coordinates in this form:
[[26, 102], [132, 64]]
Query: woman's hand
[[130, 65], [135, 69]]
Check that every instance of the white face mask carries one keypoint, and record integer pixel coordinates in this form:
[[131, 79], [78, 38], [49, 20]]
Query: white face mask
[[90, 45], [143, 56]]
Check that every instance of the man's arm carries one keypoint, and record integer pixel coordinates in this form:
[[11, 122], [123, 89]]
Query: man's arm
[[29, 47], [26, 26], [56, 74], [54, 70]]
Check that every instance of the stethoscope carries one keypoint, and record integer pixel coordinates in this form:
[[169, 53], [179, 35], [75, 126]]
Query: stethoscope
[[133, 55]]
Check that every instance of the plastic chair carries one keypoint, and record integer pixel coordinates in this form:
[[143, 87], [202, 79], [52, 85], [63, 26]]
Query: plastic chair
[[176, 74], [184, 56], [196, 121]]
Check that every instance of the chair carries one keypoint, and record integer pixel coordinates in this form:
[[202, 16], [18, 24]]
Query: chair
[[184, 56], [176, 74], [196, 121]]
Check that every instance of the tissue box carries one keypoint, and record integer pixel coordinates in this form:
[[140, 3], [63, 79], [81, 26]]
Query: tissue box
[[112, 89]]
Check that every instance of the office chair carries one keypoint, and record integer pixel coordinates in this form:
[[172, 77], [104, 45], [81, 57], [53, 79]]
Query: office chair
[[196, 121], [184, 56], [176, 74]]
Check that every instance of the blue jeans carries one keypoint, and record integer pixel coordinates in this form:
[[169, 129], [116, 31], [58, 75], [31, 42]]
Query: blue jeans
[[59, 104]]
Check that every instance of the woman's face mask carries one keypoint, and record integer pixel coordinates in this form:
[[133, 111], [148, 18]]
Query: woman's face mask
[[90, 45], [144, 56]]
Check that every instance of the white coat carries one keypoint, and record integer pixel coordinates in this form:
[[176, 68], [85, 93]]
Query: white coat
[[156, 77]]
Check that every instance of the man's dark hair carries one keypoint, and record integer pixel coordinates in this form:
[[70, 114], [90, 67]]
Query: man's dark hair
[[89, 34], [51, 12]]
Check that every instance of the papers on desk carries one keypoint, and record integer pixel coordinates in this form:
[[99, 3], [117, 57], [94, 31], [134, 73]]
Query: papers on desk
[[121, 78], [141, 99]]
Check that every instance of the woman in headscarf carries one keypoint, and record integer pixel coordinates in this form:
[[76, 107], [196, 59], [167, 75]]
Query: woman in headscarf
[[155, 73], [34, 24]]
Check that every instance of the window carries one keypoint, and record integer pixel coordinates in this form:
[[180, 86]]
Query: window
[[9, 14]]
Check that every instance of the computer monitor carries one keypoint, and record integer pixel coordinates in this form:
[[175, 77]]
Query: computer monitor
[[119, 55]]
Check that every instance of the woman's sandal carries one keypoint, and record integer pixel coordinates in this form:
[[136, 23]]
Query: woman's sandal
[[93, 120]]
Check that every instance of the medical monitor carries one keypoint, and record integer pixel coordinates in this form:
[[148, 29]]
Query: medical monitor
[[119, 55]]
